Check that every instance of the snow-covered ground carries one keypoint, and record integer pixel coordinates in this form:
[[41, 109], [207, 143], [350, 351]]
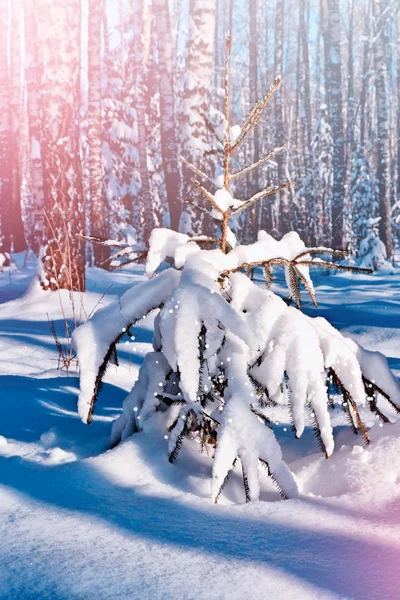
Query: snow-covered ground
[[79, 521]]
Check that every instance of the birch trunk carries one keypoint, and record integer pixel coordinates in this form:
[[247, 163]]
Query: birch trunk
[[5, 133], [98, 220], [59, 48], [335, 88], [197, 97], [167, 106], [280, 134], [34, 156], [383, 121], [13, 237], [398, 104], [141, 58]]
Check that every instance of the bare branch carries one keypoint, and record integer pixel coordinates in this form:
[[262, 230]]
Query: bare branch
[[258, 196], [255, 114], [257, 164], [204, 240], [196, 170], [227, 147], [209, 197], [321, 250]]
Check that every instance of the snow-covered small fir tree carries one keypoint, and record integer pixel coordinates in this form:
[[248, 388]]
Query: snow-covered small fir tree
[[372, 251], [224, 348]]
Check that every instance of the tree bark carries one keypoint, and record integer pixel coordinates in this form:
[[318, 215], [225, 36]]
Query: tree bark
[[34, 157], [383, 122], [12, 228], [280, 133], [141, 58], [196, 97], [59, 47], [98, 207], [167, 106], [335, 88], [398, 104], [5, 134]]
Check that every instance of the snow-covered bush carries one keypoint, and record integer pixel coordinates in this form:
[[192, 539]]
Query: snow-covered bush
[[372, 251], [224, 348]]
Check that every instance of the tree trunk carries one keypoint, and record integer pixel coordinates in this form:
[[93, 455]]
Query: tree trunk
[[250, 219], [383, 121], [5, 134], [196, 97], [312, 199], [334, 76], [34, 157], [98, 213], [141, 58], [12, 229], [365, 75], [280, 132], [398, 104], [167, 107], [59, 48]]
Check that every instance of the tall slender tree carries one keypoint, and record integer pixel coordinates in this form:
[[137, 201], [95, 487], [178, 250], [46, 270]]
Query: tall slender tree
[[5, 133], [98, 205], [59, 37], [34, 157], [280, 135], [381, 41], [335, 90], [141, 43], [12, 229], [398, 104], [196, 100], [167, 106]]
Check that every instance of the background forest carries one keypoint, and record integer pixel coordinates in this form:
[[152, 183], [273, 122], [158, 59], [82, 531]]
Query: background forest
[[102, 102]]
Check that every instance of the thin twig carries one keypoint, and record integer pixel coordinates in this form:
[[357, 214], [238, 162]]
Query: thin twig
[[207, 195], [259, 196], [257, 164], [196, 170]]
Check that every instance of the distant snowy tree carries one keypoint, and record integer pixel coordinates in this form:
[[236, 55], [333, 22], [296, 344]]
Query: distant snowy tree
[[322, 148], [224, 348], [372, 251], [120, 152], [364, 199]]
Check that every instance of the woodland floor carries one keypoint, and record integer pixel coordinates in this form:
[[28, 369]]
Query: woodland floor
[[79, 521]]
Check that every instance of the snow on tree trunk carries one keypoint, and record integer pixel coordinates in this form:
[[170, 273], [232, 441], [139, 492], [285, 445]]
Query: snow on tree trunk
[[167, 109], [194, 137], [5, 133], [59, 49], [398, 106], [141, 42], [12, 229], [381, 13], [281, 159], [98, 206], [335, 89], [34, 156], [312, 198]]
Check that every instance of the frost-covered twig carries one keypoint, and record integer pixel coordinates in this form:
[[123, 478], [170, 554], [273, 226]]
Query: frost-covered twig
[[260, 162]]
